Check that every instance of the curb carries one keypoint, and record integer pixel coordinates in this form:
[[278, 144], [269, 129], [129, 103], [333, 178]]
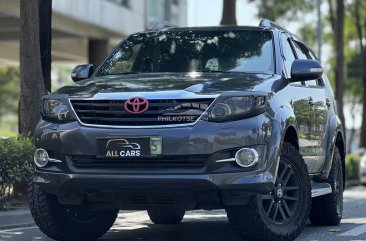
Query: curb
[[15, 219]]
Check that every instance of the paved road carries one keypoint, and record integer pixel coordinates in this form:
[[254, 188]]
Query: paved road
[[212, 226]]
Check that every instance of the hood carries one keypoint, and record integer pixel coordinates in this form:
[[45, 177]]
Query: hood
[[197, 83]]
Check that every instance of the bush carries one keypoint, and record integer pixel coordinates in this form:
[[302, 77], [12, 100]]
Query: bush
[[16, 163], [352, 166]]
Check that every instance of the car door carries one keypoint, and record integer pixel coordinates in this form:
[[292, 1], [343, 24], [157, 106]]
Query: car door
[[320, 103], [297, 95]]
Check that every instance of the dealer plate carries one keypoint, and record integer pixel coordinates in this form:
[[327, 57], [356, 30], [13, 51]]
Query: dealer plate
[[129, 147]]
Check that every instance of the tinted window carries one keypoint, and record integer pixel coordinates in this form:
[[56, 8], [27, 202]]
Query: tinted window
[[288, 54], [304, 53], [185, 51], [301, 54]]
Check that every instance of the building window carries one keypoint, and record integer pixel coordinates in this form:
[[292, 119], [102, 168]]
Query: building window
[[124, 3], [162, 10]]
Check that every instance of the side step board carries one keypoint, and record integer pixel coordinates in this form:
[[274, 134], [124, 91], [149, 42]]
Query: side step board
[[320, 189]]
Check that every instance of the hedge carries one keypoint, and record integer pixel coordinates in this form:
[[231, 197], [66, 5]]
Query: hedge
[[16, 163], [352, 166]]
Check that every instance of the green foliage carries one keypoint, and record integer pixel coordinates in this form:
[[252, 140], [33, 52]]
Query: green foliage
[[61, 76], [352, 166], [353, 80], [16, 162], [276, 9], [308, 34], [9, 91]]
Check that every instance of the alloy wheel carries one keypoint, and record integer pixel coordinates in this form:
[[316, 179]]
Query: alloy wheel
[[280, 205]]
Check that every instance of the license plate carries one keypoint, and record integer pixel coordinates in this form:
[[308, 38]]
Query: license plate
[[129, 147]]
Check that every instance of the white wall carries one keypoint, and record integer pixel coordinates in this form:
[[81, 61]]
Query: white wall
[[105, 14]]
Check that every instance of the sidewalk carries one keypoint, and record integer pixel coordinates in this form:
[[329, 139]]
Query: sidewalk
[[16, 219]]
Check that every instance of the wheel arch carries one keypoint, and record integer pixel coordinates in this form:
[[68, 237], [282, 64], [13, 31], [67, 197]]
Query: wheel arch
[[340, 144], [291, 136], [284, 129]]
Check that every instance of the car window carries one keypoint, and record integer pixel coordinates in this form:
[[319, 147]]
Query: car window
[[301, 54], [124, 60], [304, 53], [288, 54], [249, 51]]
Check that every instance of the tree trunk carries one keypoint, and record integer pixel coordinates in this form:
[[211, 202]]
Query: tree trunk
[[31, 78], [339, 42], [229, 12], [360, 35], [45, 40], [363, 123]]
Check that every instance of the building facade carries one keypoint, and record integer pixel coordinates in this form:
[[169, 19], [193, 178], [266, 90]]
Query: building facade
[[85, 30]]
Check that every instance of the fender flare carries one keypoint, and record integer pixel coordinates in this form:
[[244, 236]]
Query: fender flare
[[282, 120], [334, 127]]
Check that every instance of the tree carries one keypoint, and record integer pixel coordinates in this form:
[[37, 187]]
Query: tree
[[45, 40], [275, 9], [32, 81], [337, 15], [9, 89], [229, 12], [358, 12]]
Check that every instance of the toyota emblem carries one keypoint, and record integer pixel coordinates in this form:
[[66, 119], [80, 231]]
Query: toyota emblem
[[136, 105]]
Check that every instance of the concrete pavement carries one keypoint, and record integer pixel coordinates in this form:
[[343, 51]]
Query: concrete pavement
[[213, 226], [15, 219]]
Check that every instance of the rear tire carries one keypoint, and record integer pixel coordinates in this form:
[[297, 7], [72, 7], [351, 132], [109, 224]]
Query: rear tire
[[67, 223], [165, 216], [283, 213], [327, 210]]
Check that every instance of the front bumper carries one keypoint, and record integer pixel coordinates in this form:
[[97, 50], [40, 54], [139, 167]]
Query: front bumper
[[222, 182], [143, 192], [255, 183]]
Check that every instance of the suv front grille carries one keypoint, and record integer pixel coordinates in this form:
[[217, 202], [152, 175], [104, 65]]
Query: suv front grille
[[160, 112]]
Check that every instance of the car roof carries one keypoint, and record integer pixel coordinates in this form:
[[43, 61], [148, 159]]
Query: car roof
[[209, 28]]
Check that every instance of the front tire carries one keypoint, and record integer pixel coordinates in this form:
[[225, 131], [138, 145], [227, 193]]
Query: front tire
[[165, 216], [327, 210], [67, 223], [282, 214]]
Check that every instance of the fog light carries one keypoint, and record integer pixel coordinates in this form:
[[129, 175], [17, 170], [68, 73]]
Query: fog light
[[41, 158], [246, 157]]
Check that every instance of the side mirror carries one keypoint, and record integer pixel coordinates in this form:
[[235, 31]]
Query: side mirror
[[82, 72], [305, 69]]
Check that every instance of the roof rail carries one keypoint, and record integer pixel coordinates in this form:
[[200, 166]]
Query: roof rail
[[161, 26], [268, 24]]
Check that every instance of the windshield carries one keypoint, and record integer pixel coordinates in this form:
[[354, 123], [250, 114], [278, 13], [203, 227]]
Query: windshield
[[249, 51]]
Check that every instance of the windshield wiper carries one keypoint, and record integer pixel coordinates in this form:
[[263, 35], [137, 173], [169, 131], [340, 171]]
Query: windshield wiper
[[223, 71]]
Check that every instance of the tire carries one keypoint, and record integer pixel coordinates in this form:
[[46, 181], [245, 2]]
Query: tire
[[162, 216], [327, 210], [259, 220], [64, 223]]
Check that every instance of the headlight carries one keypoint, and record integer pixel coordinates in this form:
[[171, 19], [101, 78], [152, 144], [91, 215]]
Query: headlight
[[234, 108], [54, 109]]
